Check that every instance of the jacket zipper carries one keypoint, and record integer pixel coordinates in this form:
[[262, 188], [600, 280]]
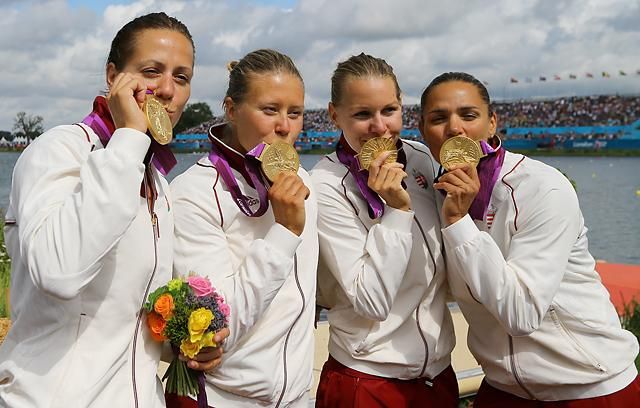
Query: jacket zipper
[[592, 360], [150, 195], [424, 340], [286, 341], [514, 369]]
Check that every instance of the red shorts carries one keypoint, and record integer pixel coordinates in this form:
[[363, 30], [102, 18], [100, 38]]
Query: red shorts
[[343, 387], [490, 397]]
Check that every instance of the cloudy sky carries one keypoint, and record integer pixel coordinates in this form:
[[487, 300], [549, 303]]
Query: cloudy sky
[[53, 51]]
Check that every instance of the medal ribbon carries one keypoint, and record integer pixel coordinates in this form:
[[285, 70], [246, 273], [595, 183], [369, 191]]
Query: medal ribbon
[[347, 156], [252, 166], [100, 121], [488, 171]]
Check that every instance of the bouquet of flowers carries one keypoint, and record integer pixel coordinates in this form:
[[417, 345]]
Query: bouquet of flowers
[[187, 312]]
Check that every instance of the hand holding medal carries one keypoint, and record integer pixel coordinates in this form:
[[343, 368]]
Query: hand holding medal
[[378, 156], [280, 163], [459, 155], [142, 112], [125, 98]]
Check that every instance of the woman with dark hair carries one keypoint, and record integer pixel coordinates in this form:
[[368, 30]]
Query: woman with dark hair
[[89, 232], [256, 240], [540, 321]]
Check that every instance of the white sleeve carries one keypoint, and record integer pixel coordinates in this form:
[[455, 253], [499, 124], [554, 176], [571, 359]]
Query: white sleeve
[[517, 287], [72, 205], [368, 265], [201, 247]]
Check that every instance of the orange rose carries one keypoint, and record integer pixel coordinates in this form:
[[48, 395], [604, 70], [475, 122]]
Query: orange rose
[[156, 324], [164, 306]]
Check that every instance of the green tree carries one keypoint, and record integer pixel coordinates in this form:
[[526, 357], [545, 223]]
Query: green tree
[[194, 114], [28, 125]]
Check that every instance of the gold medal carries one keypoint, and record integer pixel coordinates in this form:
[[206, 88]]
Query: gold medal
[[158, 120], [460, 150], [279, 157], [372, 148]]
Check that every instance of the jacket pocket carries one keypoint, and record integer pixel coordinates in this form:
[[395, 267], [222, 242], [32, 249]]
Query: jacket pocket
[[363, 345], [588, 359], [6, 380]]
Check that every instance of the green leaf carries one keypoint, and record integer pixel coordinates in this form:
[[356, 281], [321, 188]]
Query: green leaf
[[151, 300]]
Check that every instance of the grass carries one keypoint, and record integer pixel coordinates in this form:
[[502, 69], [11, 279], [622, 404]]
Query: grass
[[5, 269], [465, 402], [630, 320]]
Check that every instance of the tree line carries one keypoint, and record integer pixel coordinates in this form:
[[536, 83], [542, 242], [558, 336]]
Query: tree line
[[32, 126]]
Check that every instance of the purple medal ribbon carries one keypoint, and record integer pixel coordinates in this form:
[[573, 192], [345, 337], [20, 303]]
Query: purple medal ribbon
[[375, 206], [252, 165], [98, 126], [163, 159], [488, 171]]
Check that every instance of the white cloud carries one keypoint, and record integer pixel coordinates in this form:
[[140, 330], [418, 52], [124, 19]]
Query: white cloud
[[53, 55]]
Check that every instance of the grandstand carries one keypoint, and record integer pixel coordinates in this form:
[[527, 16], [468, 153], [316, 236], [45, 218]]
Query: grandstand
[[591, 122]]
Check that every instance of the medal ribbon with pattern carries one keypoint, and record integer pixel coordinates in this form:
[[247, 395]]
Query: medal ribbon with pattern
[[100, 121], [252, 166], [260, 165]]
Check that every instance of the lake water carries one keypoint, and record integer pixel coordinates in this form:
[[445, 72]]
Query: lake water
[[608, 189]]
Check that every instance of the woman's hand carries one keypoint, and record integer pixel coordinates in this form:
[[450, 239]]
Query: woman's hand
[[462, 184], [208, 358], [125, 98], [287, 196], [386, 180]]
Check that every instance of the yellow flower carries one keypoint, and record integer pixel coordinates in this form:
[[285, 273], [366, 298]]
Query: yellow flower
[[174, 284], [207, 340], [199, 321], [190, 349]]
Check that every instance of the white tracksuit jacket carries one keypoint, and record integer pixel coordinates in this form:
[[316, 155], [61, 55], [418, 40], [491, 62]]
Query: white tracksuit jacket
[[540, 321], [384, 280], [83, 256], [268, 276]]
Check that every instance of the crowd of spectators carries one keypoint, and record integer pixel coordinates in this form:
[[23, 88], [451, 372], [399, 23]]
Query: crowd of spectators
[[203, 128], [604, 110]]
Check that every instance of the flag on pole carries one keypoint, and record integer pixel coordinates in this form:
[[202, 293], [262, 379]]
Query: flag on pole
[[513, 80], [589, 75]]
